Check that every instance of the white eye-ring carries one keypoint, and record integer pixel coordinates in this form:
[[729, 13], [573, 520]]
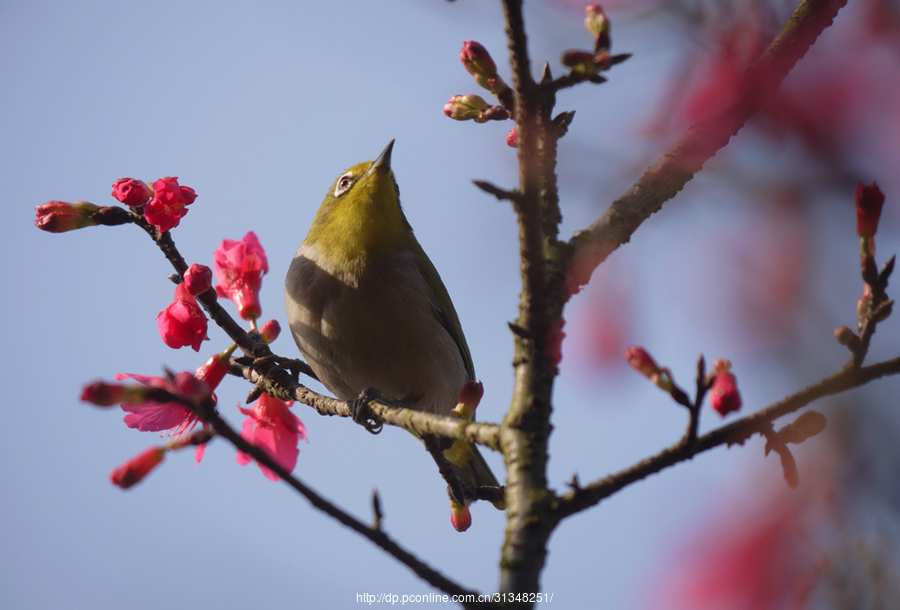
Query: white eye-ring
[[343, 184]]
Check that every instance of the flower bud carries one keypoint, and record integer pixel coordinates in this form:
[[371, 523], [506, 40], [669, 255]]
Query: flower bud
[[869, 201], [581, 62], [469, 397], [465, 107], [477, 60], [595, 21], [460, 517], [641, 361], [270, 331], [846, 337], [131, 192], [197, 279], [104, 394], [214, 370], [723, 393], [60, 216], [135, 469], [512, 138], [864, 304]]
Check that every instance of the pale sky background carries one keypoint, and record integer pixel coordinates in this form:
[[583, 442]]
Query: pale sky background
[[258, 106]]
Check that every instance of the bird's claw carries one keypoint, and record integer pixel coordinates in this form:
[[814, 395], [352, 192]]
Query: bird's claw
[[363, 415]]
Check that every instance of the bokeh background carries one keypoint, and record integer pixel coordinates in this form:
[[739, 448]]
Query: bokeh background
[[258, 107]]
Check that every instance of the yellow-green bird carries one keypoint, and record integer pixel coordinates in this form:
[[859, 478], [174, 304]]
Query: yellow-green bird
[[368, 309]]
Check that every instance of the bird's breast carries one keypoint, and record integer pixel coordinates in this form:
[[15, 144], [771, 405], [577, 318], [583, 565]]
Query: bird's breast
[[375, 326]]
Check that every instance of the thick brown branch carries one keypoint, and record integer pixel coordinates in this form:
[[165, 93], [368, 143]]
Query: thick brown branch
[[736, 432], [668, 176]]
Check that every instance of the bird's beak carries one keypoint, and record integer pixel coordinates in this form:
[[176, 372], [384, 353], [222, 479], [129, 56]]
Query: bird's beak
[[383, 160]]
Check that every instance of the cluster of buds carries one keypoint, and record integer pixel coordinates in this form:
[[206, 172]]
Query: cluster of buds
[[163, 204], [479, 63], [873, 305], [722, 384], [590, 63]]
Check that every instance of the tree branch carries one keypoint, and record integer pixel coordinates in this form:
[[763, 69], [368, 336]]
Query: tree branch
[[377, 536], [277, 383], [667, 177], [736, 432]]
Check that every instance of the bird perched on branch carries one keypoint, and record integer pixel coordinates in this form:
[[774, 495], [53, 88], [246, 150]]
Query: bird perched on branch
[[368, 309]]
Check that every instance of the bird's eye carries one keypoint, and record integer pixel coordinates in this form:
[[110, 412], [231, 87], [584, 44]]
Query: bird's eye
[[343, 185]]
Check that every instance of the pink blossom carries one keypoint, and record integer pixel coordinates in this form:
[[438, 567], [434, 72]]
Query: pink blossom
[[135, 469], [239, 267], [176, 418], [131, 192], [182, 322], [153, 416], [273, 427], [167, 207]]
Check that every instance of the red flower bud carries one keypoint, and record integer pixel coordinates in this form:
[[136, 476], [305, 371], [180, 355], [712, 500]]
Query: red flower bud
[[182, 322], [197, 279], [477, 60], [214, 370], [137, 468], [469, 397], [60, 216], [131, 192], [460, 517], [270, 331], [723, 394], [869, 201], [104, 394], [512, 138]]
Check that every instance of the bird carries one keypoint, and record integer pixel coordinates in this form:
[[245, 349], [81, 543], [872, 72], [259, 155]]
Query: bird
[[368, 310]]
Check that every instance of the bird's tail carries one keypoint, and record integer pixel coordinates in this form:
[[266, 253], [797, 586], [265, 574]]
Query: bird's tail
[[471, 467]]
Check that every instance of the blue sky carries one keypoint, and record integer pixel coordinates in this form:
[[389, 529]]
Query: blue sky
[[258, 107]]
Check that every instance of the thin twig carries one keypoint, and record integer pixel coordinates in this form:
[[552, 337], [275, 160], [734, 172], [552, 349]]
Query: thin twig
[[736, 432]]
